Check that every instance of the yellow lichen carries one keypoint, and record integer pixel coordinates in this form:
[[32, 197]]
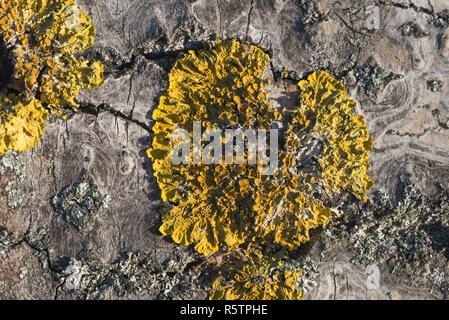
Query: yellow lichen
[[222, 206], [24, 122], [257, 275], [222, 86], [345, 137], [42, 38], [289, 210], [325, 142]]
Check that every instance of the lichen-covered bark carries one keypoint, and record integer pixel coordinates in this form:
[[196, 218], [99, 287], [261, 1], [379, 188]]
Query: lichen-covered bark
[[397, 74]]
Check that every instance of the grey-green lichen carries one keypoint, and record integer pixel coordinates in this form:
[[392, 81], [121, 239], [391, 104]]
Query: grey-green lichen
[[2, 286], [6, 241], [441, 19], [410, 236], [15, 196], [412, 29], [10, 160], [372, 79], [440, 279], [310, 267], [435, 85], [79, 203], [359, 42], [134, 274], [312, 16], [443, 121], [11, 164], [315, 17]]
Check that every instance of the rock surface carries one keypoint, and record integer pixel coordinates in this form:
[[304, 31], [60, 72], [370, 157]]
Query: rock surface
[[394, 60]]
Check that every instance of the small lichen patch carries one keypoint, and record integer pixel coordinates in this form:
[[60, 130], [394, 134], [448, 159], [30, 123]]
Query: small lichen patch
[[372, 79], [74, 272], [310, 271], [6, 241], [11, 165], [440, 279], [15, 196], [412, 29], [79, 203], [441, 19], [435, 85], [359, 42], [260, 276], [11, 161], [311, 15], [22, 122]]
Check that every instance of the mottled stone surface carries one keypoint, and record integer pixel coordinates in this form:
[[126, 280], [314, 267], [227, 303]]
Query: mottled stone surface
[[397, 72]]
